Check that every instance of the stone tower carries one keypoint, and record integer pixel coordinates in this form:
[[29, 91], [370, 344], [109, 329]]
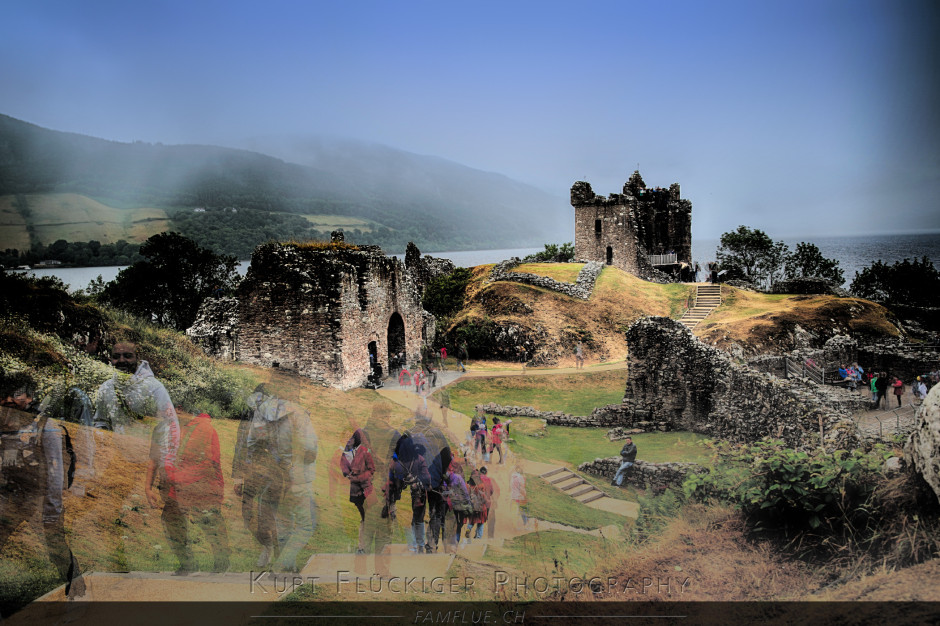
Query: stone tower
[[640, 231]]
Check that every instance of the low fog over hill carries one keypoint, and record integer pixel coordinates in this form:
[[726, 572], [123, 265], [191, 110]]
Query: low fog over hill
[[440, 204]]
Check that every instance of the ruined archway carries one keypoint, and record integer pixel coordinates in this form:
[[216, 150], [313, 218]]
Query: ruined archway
[[396, 342]]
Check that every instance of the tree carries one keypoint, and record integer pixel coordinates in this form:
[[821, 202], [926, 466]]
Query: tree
[[916, 283], [553, 253], [444, 294], [807, 261], [169, 285], [752, 255]]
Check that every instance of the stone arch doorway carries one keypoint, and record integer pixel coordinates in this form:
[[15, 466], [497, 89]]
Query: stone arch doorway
[[610, 255], [396, 342]]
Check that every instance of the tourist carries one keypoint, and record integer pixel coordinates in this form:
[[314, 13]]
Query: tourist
[[194, 494], [579, 355], [411, 468], [919, 389], [518, 494], [627, 459], [381, 511], [273, 471], [443, 359], [35, 472], [881, 385], [479, 504], [496, 438], [462, 356], [457, 496], [898, 385], [358, 467], [522, 356], [859, 372], [873, 385], [129, 396], [438, 456]]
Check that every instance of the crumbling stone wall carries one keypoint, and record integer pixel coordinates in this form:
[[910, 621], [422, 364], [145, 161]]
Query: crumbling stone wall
[[675, 378], [908, 361], [215, 327], [644, 475], [314, 310], [634, 224], [582, 288], [425, 268]]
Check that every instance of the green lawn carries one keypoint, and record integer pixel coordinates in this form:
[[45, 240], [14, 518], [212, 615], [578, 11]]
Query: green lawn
[[574, 446], [577, 394]]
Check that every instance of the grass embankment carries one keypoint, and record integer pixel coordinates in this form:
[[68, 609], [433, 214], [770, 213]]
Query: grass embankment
[[618, 300], [562, 272], [761, 322]]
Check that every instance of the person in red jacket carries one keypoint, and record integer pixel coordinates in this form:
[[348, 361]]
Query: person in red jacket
[[359, 466], [195, 495]]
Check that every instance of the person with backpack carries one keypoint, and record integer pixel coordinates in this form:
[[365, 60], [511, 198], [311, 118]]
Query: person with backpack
[[462, 356], [37, 465], [479, 503], [438, 456], [410, 469], [457, 496]]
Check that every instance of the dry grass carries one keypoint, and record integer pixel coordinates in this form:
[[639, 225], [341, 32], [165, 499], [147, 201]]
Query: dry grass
[[618, 300], [708, 546], [763, 322]]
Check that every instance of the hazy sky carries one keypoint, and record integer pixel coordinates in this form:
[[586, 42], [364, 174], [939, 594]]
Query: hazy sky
[[796, 117]]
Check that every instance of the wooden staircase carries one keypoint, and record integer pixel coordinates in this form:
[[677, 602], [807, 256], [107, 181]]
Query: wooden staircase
[[707, 299], [572, 484]]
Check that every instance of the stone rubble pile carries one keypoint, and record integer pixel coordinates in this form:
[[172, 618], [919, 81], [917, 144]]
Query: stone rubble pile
[[582, 288]]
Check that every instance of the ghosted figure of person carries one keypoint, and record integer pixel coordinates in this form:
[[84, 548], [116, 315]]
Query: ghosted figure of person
[[122, 403], [410, 470], [381, 515], [435, 445], [35, 470], [194, 494], [273, 471], [358, 467]]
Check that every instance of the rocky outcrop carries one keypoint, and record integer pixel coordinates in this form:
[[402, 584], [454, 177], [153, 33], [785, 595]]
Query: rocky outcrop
[[923, 446], [644, 475], [582, 288], [676, 379], [215, 327]]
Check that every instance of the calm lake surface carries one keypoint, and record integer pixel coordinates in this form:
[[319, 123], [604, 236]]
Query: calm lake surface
[[853, 253]]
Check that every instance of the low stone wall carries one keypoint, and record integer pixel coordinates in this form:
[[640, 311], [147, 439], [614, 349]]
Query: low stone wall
[[601, 417], [644, 475], [581, 289]]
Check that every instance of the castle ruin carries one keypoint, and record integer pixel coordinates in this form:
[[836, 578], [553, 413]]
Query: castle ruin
[[644, 231], [330, 312]]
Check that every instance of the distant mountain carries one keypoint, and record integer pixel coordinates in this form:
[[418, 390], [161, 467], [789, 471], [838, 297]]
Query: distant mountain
[[440, 204]]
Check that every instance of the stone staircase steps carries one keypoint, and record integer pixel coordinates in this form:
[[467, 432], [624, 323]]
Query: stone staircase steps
[[707, 299]]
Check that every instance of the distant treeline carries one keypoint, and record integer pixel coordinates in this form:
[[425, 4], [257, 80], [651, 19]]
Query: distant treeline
[[234, 232], [238, 232], [77, 253]]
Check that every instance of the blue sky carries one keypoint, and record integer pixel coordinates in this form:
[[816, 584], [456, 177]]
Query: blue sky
[[800, 118]]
